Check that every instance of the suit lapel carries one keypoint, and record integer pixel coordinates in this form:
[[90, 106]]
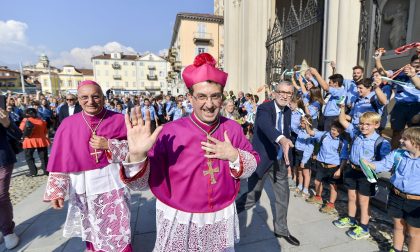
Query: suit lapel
[[67, 111], [273, 113], [287, 121]]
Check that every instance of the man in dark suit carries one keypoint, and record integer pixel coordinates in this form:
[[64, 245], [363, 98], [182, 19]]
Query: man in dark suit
[[70, 108], [272, 142], [239, 103]]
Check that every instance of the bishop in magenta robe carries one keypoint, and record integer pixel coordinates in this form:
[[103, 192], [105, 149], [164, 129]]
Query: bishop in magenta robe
[[194, 182], [99, 202]]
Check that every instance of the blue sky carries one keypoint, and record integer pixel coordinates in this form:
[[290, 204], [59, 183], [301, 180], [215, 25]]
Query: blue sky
[[68, 31]]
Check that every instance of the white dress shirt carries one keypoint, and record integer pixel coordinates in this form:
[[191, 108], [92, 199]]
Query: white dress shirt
[[71, 110], [278, 109]]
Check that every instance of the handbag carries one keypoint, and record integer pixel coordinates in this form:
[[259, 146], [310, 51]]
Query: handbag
[[29, 127]]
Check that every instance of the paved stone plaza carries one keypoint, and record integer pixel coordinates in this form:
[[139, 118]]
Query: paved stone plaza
[[39, 227]]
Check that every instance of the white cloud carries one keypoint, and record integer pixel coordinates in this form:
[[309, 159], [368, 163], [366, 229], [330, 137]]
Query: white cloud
[[81, 57], [14, 47], [12, 32]]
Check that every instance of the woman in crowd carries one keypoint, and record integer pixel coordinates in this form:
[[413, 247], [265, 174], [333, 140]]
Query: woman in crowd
[[229, 110], [35, 139]]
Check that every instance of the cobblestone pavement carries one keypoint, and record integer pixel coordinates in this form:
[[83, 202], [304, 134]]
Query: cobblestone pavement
[[380, 223], [20, 185]]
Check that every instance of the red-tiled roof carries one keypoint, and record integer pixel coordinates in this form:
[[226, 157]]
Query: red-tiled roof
[[7, 70], [8, 77], [85, 71], [123, 57]]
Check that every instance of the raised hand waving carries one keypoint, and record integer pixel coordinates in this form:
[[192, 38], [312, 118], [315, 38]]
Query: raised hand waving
[[139, 136]]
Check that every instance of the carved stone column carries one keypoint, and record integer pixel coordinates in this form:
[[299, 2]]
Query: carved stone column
[[331, 31], [347, 36]]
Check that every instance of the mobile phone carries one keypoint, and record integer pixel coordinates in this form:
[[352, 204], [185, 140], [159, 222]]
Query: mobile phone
[[3, 102]]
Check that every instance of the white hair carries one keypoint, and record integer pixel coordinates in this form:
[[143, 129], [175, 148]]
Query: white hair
[[287, 83]]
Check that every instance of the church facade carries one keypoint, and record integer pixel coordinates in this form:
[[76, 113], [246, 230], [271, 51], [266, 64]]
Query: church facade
[[265, 38]]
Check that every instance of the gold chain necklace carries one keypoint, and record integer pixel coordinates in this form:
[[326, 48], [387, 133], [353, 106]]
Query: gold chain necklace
[[100, 121], [95, 152], [211, 170]]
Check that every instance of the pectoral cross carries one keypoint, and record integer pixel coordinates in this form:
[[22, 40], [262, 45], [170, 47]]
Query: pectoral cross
[[211, 171], [96, 152]]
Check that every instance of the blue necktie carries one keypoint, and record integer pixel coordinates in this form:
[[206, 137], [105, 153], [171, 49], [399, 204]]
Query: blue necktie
[[280, 128]]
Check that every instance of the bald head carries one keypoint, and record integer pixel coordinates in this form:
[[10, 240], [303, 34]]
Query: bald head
[[91, 98]]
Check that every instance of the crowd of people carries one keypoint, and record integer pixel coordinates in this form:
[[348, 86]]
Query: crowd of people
[[306, 130], [162, 108]]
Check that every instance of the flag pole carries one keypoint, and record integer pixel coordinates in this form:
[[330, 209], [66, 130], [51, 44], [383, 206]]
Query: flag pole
[[22, 79]]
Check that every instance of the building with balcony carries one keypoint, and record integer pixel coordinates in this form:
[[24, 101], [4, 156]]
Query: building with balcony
[[53, 80], [50, 82], [70, 77], [193, 34], [9, 79], [116, 70], [43, 65], [264, 38], [153, 73], [131, 73]]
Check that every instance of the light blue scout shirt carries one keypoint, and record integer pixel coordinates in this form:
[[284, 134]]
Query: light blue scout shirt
[[188, 108], [177, 113], [152, 112], [295, 121], [406, 176], [387, 90], [62, 104], [304, 142], [351, 91], [314, 107], [328, 153], [304, 96], [405, 94], [362, 105], [248, 107], [169, 108], [332, 109], [160, 109], [314, 81], [15, 114], [364, 147]]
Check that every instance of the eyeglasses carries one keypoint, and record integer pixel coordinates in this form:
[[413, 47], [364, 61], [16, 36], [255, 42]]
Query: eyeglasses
[[213, 97], [284, 93], [94, 97], [70, 99]]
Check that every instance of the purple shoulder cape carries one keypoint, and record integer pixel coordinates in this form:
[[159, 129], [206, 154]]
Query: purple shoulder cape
[[71, 151], [177, 166]]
